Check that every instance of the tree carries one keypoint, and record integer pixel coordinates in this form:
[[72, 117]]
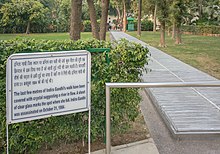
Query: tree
[[124, 15], [3, 2], [200, 3], [178, 10], [149, 7], [22, 12], [201, 12], [155, 18], [58, 16], [139, 17], [163, 10], [94, 24], [117, 4], [103, 24], [75, 25], [212, 12], [125, 5]]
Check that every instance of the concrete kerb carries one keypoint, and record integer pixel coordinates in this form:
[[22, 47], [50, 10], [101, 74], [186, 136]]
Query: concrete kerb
[[140, 147]]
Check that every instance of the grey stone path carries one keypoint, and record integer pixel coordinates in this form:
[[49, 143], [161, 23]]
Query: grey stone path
[[185, 110], [167, 144]]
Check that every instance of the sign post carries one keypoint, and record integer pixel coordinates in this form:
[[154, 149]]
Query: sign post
[[41, 85]]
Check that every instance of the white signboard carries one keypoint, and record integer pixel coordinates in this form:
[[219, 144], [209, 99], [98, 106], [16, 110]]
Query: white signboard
[[41, 85]]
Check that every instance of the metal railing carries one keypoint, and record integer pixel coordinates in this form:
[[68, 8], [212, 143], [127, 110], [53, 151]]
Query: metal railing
[[144, 85]]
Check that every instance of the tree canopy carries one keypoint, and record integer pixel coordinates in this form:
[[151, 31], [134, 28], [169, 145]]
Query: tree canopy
[[54, 15], [22, 12]]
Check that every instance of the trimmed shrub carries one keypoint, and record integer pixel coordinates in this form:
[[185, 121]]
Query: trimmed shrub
[[199, 30], [127, 64], [146, 25], [87, 26]]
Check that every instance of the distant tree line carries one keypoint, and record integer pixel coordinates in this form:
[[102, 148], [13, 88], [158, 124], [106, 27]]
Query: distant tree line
[[39, 16]]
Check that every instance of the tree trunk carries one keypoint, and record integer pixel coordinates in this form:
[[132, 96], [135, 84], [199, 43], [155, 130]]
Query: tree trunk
[[139, 18], [155, 18], [92, 15], [178, 35], [28, 27], [75, 25], [119, 13], [103, 24], [162, 34], [168, 31], [124, 16], [200, 8], [174, 31]]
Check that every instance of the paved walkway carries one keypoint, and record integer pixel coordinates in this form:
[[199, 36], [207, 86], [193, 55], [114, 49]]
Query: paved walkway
[[185, 110], [167, 144]]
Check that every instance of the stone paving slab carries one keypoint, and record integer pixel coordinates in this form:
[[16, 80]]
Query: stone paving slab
[[167, 143]]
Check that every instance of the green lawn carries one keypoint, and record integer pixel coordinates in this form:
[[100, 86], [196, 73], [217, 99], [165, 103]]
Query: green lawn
[[202, 52], [47, 36], [44, 36]]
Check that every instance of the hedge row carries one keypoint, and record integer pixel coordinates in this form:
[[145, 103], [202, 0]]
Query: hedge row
[[87, 27], [199, 30], [127, 64], [146, 25]]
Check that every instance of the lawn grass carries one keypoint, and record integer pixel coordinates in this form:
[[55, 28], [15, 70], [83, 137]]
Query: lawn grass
[[48, 36], [44, 36], [202, 52]]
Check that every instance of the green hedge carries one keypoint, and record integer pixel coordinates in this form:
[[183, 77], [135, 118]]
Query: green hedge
[[146, 25], [87, 25], [201, 29], [127, 64]]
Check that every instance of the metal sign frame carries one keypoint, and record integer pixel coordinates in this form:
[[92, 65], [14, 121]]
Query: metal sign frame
[[47, 55]]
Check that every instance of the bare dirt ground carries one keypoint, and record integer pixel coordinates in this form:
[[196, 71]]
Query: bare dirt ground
[[137, 132]]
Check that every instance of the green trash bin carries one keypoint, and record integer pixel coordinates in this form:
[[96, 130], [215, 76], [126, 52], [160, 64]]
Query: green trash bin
[[130, 24]]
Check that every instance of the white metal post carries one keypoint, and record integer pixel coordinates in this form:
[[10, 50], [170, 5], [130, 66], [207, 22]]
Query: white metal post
[[108, 123], [7, 139], [89, 131]]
